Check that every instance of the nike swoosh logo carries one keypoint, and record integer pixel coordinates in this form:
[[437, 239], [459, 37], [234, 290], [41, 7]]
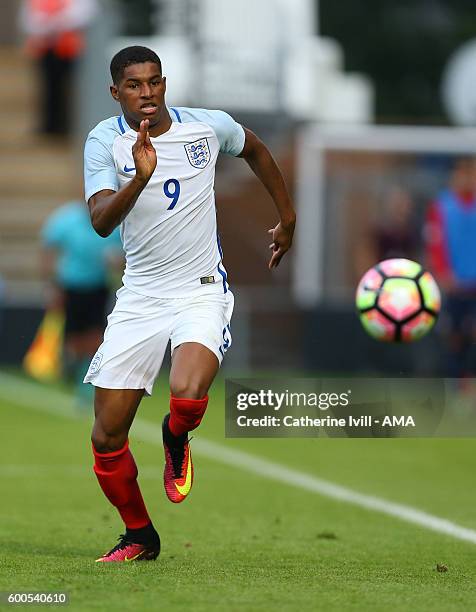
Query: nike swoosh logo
[[126, 169], [132, 558], [185, 488]]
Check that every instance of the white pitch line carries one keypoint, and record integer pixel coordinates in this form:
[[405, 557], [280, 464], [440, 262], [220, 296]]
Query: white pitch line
[[36, 397]]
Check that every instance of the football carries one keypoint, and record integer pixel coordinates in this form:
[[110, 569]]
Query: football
[[398, 301]]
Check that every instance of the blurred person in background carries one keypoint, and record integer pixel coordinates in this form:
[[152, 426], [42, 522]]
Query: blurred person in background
[[55, 39], [77, 262], [394, 234], [450, 239]]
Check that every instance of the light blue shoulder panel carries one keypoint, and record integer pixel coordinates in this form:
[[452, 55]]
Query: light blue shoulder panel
[[99, 167], [230, 134]]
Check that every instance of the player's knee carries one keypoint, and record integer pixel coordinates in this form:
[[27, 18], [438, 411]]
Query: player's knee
[[189, 388], [107, 441]]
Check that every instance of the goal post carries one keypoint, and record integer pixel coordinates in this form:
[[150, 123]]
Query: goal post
[[336, 166]]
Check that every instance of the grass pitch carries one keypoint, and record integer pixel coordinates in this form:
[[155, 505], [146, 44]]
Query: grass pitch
[[241, 542]]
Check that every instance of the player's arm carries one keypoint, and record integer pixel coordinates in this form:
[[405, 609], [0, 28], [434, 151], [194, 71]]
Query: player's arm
[[55, 294], [109, 208], [53, 234], [260, 160]]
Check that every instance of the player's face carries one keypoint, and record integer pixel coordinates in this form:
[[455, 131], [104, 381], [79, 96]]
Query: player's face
[[141, 93]]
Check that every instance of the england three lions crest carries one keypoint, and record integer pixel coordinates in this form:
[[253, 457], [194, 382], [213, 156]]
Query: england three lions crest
[[198, 153]]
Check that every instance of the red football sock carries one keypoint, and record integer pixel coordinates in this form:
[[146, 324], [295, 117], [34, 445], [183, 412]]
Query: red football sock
[[186, 414], [117, 475]]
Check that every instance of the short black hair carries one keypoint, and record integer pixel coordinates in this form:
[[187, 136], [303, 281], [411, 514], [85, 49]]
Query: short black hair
[[132, 55]]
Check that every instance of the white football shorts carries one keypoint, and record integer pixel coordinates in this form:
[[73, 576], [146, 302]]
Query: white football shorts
[[139, 329]]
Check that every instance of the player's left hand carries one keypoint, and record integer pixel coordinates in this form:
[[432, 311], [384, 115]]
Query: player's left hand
[[282, 240]]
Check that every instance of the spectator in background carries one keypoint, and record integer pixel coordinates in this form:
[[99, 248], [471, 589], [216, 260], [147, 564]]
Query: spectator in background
[[450, 237], [395, 234], [55, 39], [77, 263]]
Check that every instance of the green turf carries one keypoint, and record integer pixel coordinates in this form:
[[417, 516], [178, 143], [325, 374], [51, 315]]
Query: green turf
[[240, 542]]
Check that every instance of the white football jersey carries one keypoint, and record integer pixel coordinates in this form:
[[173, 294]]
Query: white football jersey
[[170, 236]]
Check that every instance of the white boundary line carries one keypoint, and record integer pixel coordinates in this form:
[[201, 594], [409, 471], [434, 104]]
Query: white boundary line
[[32, 395]]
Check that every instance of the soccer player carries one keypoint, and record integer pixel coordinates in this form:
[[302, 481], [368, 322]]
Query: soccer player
[[77, 263], [151, 171]]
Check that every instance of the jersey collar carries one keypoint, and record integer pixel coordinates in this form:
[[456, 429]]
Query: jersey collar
[[123, 125], [173, 112]]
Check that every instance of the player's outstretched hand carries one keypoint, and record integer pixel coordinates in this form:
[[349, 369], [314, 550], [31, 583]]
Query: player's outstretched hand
[[143, 152], [282, 240]]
